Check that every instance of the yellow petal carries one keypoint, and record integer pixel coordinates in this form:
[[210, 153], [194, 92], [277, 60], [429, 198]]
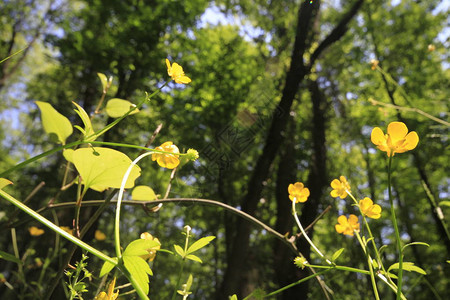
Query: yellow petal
[[412, 139], [377, 137], [100, 236], [183, 80], [334, 194], [169, 68], [335, 184], [339, 228], [397, 131], [342, 220]]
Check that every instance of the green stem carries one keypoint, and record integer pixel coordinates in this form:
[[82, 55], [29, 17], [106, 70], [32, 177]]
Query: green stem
[[294, 283], [294, 213], [397, 233], [55, 228], [369, 263], [338, 267], [119, 202]]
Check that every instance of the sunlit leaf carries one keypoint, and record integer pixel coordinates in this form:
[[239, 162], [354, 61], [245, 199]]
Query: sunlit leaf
[[116, 108], [88, 130], [200, 244], [144, 193], [139, 269], [179, 250], [104, 81], [102, 168], [408, 266], [337, 254], [106, 268], [194, 258], [140, 246], [4, 182], [54, 122], [444, 203]]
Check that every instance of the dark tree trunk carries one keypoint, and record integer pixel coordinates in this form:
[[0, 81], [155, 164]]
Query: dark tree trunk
[[297, 71]]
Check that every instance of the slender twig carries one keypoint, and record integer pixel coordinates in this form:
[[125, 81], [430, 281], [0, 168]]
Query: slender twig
[[413, 109]]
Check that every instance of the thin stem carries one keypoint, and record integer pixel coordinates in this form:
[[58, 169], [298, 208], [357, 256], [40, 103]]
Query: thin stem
[[397, 233], [369, 263], [294, 284], [294, 213], [119, 202], [55, 228]]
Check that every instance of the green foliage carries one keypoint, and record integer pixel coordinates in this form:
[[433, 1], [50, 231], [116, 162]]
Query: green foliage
[[102, 168], [54, 122]]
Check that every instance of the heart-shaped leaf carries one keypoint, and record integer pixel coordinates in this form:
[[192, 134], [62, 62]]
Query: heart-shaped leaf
[[102, 168]]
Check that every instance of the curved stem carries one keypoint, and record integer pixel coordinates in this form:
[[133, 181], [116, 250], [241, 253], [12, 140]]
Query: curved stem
[[294, 213], [397, 233], [119, 202]]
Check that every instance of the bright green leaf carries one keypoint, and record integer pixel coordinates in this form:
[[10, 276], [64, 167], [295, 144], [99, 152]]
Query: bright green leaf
[[104, 81], [200, 244], [189, 282], [68, 154], [415, 243], [116, 108], [144, 193], [4, 182], [106, 268], [234, 297], [102, 168], [54, 122], [10, 257], [337, 254], [88, 130], [408, 266], [194, 258], [139, 247], [139, 269], [179, 250], [444, 203]]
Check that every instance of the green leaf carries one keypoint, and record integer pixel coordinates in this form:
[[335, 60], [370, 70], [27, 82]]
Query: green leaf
[[408, 266], [139, 269], [54, 122], [234, 297], [4, 182], [104, 81], [143, 193], [200, 244], [68, 154], [415, 243], [10, 257], [194, 258], [337, 254], [102, 168], [88, 130], [189, 282], [139, 247], [106, 268], [444, 203], [116, 107], [179, 250]]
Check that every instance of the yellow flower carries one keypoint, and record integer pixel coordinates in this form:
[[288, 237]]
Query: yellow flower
[[100, 236], [431, 47], [340, 187], [152, 251], [34, 231], [369, 209], [397, 139], [176, 72], [297, 192], [169, 161], [347, 226], [110, 295], [374, 63], [192, 154]]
